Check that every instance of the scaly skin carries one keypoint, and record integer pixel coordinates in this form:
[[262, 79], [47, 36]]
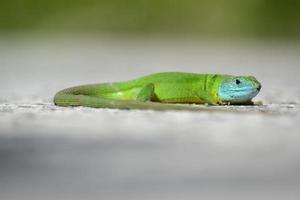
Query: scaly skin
[[158, 91]]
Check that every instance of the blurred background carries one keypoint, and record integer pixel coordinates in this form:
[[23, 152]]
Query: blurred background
[[48, 152], [232, 18]]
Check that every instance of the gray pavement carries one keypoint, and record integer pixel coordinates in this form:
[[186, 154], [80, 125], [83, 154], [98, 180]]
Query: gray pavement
[[47, 152]]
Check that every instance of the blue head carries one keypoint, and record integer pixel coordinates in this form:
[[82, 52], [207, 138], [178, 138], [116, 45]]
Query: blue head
[[239, 89]]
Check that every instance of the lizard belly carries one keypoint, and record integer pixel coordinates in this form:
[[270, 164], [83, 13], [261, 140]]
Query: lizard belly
[[182, 100]]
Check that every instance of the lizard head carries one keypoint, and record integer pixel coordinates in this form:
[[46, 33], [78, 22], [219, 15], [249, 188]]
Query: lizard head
[[239, 89]]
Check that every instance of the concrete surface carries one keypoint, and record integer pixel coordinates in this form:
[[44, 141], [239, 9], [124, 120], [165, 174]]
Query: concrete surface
[[48, 152]]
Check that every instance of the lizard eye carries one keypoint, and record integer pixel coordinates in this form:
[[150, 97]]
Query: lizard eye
[[237, 81]]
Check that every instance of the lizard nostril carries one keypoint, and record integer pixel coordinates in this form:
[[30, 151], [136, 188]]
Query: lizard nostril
[[259, 87]]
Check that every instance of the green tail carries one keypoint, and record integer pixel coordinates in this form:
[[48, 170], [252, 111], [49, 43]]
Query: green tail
[[93, 96]]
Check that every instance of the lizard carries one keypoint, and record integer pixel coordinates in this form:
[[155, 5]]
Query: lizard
[[163, 91]]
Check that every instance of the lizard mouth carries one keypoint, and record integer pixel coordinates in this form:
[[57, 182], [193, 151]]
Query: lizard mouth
[[246, 91], [254, 89]]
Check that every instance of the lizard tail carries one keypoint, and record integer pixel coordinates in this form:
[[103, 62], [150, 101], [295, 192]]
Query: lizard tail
[[85, 96], [66, 100]]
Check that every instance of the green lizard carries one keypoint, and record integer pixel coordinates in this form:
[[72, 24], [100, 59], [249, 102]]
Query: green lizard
[[158, 91]]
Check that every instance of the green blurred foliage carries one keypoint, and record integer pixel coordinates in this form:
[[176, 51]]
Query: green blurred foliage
[[193, 17]]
